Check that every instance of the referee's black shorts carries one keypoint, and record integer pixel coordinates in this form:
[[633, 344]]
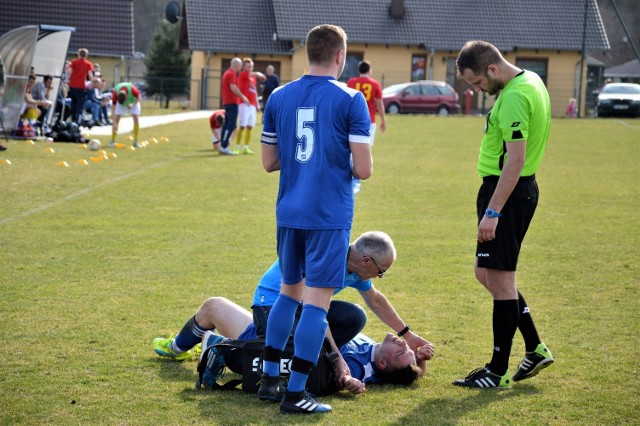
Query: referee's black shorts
[[502, 252]]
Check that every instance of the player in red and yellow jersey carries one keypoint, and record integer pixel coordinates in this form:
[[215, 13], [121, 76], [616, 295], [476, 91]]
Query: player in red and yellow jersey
[[372, 92], [248, 85]]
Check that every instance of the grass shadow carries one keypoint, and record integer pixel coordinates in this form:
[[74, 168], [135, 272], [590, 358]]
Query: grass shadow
[[176, 371], [450, 410]]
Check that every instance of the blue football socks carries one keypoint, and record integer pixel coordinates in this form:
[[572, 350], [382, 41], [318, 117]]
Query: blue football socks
[[279, 327], [307, 340], [190, 335]]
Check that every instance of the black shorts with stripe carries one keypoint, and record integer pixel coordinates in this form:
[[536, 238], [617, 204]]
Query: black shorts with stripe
[[502, 252]]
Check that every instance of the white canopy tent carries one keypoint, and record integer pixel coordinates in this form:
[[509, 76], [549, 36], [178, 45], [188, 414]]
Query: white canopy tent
[[42, 46]]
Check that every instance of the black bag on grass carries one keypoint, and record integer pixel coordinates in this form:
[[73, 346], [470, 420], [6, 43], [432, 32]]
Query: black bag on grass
[[245, 358]]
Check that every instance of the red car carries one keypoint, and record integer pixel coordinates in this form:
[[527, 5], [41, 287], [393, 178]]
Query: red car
[[422, 96]]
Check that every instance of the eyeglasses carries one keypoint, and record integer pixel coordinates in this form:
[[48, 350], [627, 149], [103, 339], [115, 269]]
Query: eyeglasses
[[380, 270]]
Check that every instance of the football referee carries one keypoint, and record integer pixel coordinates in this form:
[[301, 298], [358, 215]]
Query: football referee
[[514, 141]]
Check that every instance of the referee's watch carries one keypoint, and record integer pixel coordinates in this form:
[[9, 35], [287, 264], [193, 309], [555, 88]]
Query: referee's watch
[[491, 213]]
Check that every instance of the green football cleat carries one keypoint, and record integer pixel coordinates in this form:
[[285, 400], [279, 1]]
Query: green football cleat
[[533, 363], [197, 350], [162, 347], [483, 378]]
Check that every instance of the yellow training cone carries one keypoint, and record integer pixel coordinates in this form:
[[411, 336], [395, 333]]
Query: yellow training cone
[[154, 140], [50, 150], [130, 137], [5, 161], [113, 155], [132, 148], [96, 159], [83, 162], [62, 164], [120, 145], [30, 142]]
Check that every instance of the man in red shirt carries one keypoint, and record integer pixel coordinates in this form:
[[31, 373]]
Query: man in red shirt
[[231, 97], [216, 121], [372, 92], [81, 71], [248, 85]]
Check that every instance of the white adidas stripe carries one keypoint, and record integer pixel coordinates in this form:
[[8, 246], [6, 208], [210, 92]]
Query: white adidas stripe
[[485, 382], [306, 405]]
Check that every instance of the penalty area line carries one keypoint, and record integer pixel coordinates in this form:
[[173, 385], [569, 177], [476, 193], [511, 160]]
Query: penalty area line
[[83, 192]]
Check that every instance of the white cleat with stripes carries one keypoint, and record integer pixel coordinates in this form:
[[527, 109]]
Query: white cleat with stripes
[[302, 403], [483, 378]]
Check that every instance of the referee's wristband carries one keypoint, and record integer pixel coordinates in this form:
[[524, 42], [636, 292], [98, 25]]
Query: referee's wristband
[[404, 330]]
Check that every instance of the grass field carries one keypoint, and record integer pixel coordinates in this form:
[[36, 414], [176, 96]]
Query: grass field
[[99, 259]]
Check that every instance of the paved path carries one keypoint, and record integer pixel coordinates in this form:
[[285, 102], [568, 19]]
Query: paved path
[[126, 122]]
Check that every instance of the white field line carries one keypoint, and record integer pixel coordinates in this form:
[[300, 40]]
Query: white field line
[[82, 192], [624, 123]]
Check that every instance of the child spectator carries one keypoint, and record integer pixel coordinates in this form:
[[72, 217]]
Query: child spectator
[[572, 108]]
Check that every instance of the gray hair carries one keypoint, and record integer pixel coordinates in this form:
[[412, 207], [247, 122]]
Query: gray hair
[[376, 244]]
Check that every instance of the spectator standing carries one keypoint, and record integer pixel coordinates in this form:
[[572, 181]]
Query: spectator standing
[[514, 141], [231, 97], [248, 85], [80, 70], [312, 128], [372, 92], [572, 108], [272, 81]]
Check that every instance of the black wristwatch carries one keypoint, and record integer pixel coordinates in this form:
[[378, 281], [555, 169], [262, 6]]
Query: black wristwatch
[[491, 213], [404, 330]]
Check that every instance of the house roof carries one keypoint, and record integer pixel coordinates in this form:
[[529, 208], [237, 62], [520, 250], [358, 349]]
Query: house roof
[[628, 69], [105, 28], [233, 26], [248, 26]]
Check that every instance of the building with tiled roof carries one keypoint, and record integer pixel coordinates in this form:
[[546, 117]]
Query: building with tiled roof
[[105, 28], [629, 72], [403, 39]]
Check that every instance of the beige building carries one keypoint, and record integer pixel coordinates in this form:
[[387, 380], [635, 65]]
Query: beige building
[[404, 40]]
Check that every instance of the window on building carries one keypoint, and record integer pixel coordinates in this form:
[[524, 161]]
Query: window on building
[[451, 71], [351, 65], [537, 65], [418, 67]]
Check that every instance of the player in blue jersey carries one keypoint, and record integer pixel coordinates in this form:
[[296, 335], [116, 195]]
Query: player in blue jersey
[[363, 253], [345, 319], [316, 132], [390, 361]]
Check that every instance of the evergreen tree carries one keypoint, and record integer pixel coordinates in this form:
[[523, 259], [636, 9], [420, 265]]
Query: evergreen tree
[[167, 66]]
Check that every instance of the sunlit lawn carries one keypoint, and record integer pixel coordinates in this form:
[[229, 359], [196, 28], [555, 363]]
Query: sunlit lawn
[[99, 259]]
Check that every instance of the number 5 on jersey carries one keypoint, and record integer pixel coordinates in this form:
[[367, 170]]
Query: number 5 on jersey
[[304, 132]]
